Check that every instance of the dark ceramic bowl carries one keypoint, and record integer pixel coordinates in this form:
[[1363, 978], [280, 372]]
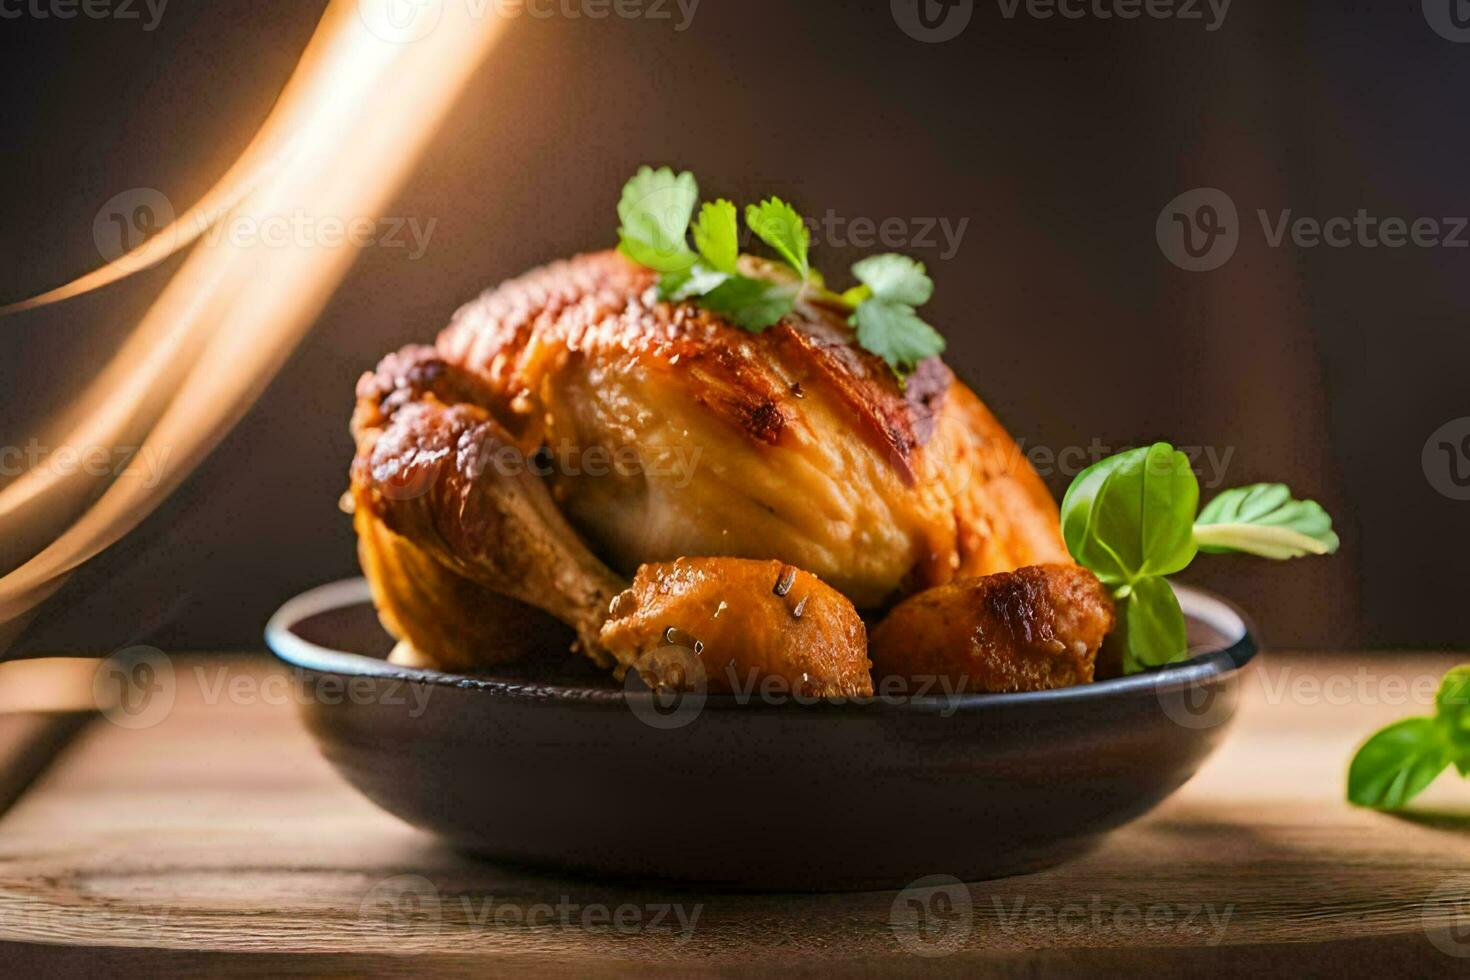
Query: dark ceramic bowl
[[553, 764]]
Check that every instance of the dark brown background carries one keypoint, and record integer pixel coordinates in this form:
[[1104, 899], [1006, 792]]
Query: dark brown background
[[1059, 140]]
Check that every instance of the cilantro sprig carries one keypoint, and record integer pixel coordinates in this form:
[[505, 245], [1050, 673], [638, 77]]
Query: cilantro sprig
[[886, 321], [657, 218], [1132, 520], [1398, 762]]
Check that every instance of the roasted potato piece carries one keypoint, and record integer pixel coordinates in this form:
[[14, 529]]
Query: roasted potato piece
[[1033, 629], [739, 621]]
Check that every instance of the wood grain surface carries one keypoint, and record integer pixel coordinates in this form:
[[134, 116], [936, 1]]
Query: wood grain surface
[[216, 840]]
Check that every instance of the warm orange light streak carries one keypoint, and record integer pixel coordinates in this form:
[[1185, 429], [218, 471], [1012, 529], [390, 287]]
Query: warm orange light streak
[[353, 119]]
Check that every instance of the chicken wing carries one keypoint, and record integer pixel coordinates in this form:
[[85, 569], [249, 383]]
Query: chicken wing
[[444, 620]]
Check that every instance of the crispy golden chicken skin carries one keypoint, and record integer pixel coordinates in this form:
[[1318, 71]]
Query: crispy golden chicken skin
[[659, 431], [677, 433], [741, 621], [453, 521], [449, 621], [1033, 629]]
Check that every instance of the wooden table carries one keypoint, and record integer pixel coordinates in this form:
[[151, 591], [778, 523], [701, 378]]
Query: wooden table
[[217, 840]]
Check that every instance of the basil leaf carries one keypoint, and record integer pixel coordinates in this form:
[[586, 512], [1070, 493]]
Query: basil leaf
[[1452, 715], [1396, 764], [655, 211], [1152, 624], [1132, 515], [1264, 520]]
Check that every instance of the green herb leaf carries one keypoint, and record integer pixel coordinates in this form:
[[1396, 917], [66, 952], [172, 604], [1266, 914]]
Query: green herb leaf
[[753, 304], [697, 280], [895, 333], [780, 227], [717, 236], [1152, 624], [1131, 516], [895, 278], [1396, 764], [655, 211], [1452, 715], [1264, 520]]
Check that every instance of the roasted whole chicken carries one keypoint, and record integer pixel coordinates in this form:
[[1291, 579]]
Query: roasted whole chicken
[[575, 454]]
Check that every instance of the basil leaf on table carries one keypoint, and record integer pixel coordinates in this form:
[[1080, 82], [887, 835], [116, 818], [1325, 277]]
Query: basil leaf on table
[[1397, 763], [1452, 715]]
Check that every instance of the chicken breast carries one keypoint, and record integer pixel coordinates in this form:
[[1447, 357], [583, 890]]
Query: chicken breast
[[1030, 630], [674, 433]]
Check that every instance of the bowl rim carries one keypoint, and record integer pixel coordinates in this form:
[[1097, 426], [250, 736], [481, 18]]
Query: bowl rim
[[1213, 610]]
